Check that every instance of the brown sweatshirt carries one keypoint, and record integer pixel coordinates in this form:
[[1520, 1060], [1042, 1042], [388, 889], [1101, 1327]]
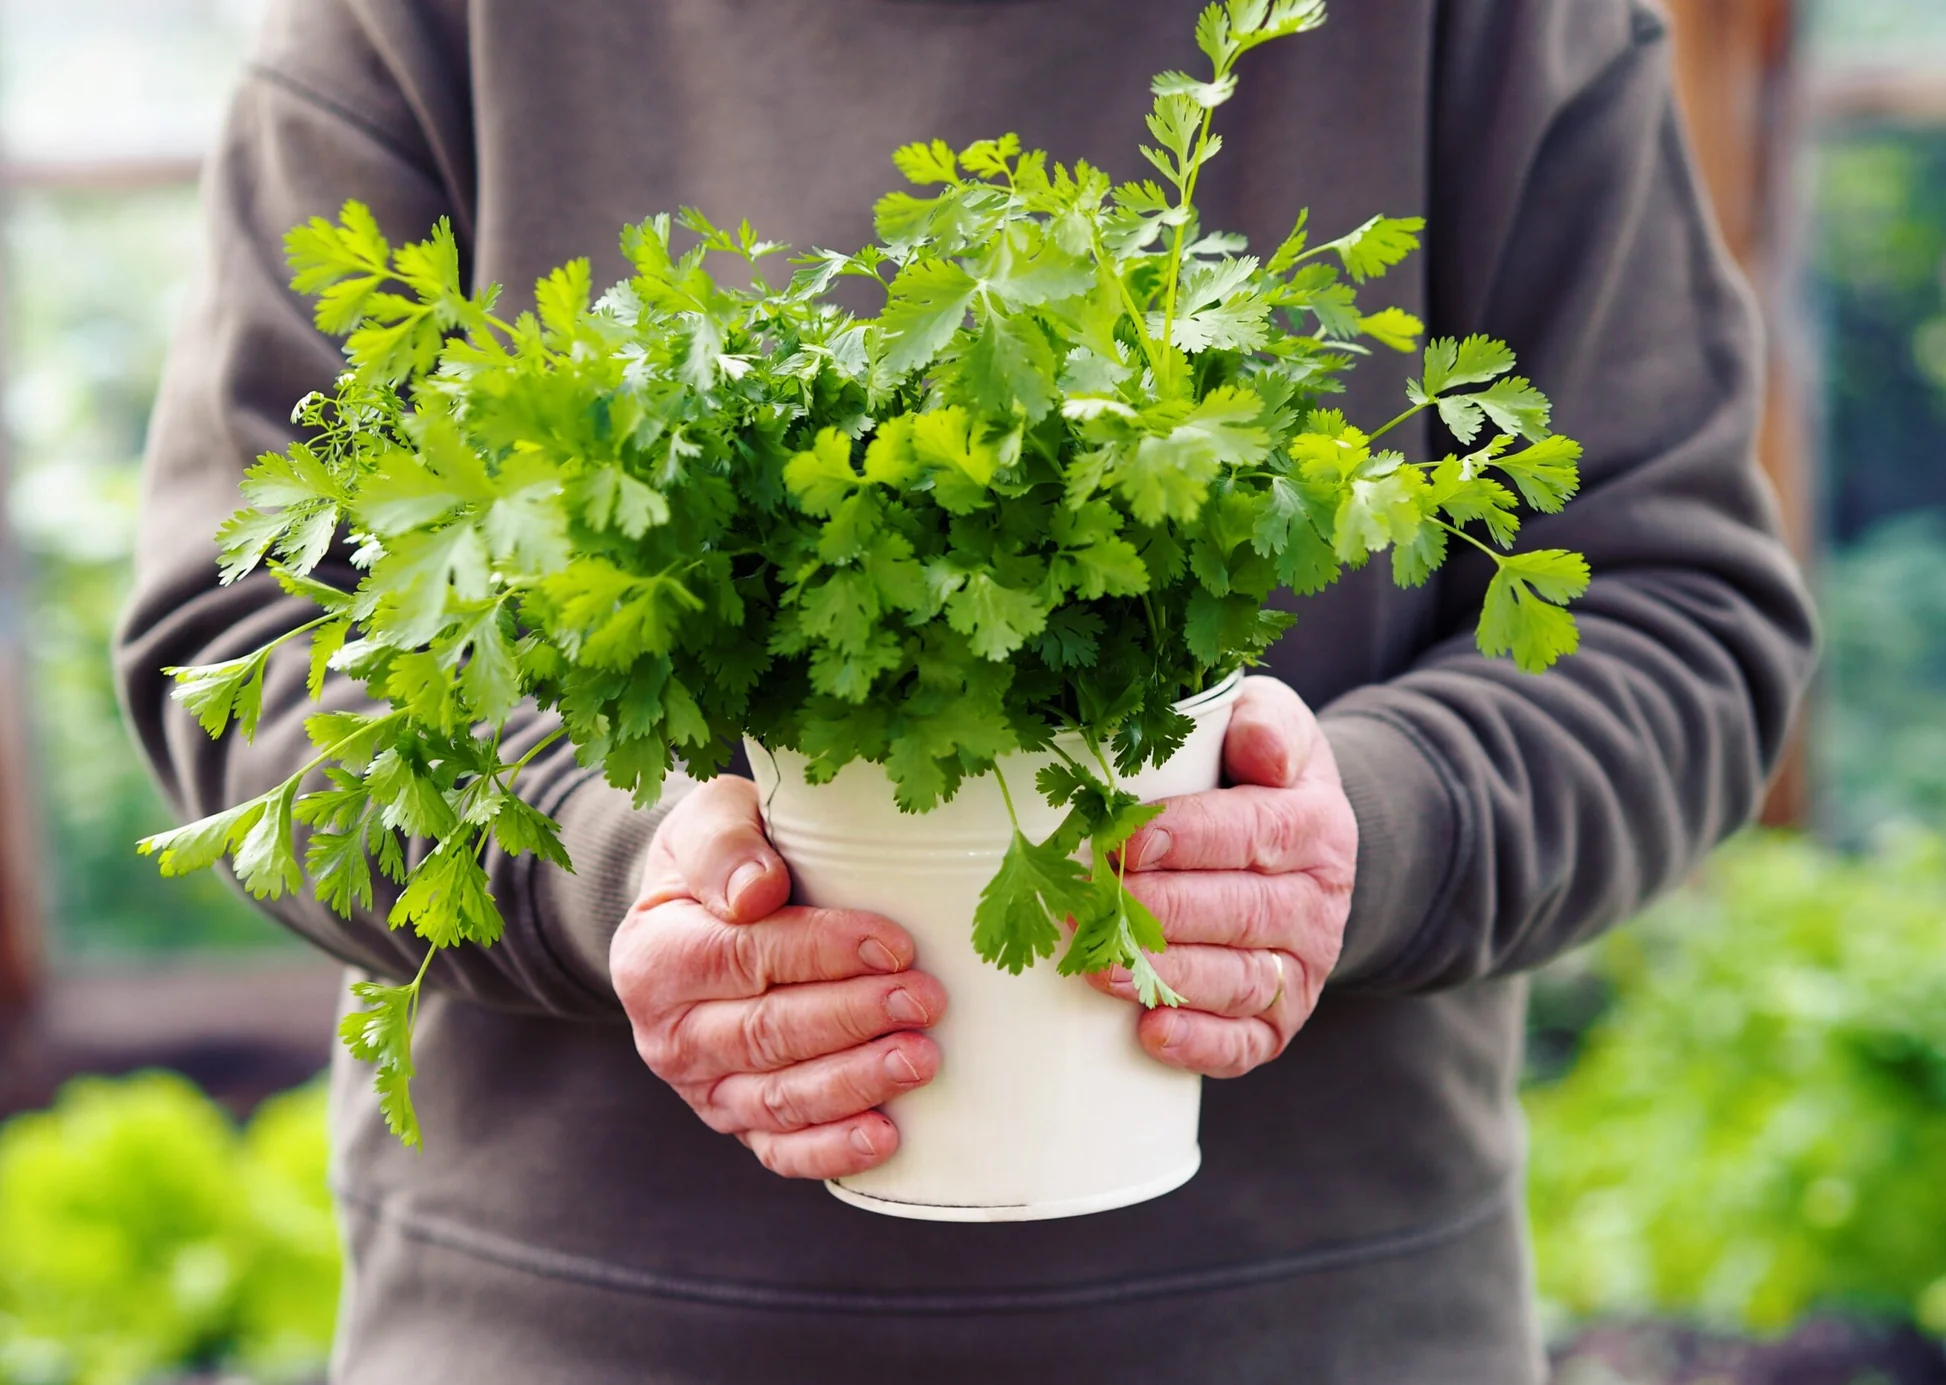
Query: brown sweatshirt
[[1357, 1217]]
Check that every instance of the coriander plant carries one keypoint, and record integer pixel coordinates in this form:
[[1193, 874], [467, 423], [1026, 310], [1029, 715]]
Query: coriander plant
[[1048, 488]]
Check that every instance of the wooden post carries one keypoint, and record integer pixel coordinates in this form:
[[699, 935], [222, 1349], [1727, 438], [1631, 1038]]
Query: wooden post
[[1735, 77]]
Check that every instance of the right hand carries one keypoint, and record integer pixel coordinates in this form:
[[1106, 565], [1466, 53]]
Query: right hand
[[782, 1025]]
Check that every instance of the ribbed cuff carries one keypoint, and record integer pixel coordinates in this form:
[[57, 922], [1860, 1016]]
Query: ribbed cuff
[[607, 838], [1408, 835]]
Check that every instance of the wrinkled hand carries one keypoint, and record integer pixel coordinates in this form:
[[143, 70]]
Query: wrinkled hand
[[1252, 885], [784, 1026]]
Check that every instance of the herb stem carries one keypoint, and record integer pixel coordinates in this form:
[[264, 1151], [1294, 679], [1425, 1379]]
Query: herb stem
[[1001, 779], [1405, 417], [528, 758], [1498, 559], [412, 1006], [1186, 205]]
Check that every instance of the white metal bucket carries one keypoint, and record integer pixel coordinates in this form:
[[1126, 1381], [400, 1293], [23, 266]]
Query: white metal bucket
[[1045, 1104]]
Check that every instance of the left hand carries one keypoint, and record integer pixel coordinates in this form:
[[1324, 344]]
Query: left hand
[[1252, 885]]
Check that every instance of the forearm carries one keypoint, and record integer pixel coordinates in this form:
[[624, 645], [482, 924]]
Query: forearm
[[1504, 818], [553, 956]]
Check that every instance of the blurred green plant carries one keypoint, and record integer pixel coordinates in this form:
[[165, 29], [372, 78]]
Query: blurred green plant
[[1881, 736], [1757, 1126], [1879, 283], [142, 1233], [96, 284]]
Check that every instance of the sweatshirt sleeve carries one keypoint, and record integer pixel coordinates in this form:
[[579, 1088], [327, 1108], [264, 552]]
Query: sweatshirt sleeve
[[333, 108], [1506, 817]]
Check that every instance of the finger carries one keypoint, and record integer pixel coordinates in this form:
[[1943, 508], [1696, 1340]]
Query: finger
[[715, 840], [1245, 828], [827, 1151], [1240, 909], [824, 1090], [1271, 735], [1237, 983], [1208, 1044], [679, 952], [794, 1024]]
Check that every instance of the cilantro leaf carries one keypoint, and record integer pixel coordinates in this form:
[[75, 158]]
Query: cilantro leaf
[[1523, 614], [927, 305], [1017, 920]]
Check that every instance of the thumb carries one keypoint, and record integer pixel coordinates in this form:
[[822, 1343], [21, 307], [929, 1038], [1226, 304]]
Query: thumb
[[715, 841], [1271, 737]]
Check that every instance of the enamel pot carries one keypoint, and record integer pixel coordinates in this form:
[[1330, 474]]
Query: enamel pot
[[1045, 1104]]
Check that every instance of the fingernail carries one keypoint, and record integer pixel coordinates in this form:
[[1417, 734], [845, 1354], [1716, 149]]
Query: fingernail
[[1172, 1031], [1155, 845], [899, 1068], [904, 1007], [747, 874], [862, 1142], [877, 955]]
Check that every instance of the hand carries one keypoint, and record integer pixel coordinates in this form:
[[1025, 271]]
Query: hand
[[1252, 885], [783, 1026]]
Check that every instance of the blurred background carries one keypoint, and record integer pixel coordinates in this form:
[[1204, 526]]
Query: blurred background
[[1739, 1103]]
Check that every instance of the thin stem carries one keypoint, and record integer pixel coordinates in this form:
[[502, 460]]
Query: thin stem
[[1405, 417], [527, 759], [412, 1010], [1498, 558], [1135, 313], [1094, 747], [303, 629], [1182, 227], [1012, 816]]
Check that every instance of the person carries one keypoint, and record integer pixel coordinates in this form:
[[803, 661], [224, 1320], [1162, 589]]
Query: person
[[1411, 827]]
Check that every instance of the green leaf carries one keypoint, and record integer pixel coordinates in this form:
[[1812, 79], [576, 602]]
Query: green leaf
[[340, 871], [1293, 245], [523, 830], [1020, 911], [822, 477], [926, 305], [1228, 423], [201, 844], [927, 163], [562, 300], [380, 1032], [1166, 478], [610, 498], [245, 539], [1205, 94], [1377, 245], [1522, 614], [446, 898], [1547, 474], [265, 859], [996, 619], [213, 693], [418, 577], [490, 681], [1288, 530], [1009, 365], [1474, 361], [1378, 512], [1516, 407], [326, 641], [1393, 327]]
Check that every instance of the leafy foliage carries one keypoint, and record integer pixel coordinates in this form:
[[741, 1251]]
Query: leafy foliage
[[1051, 486], [140, 1232], [1755, 1129]]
